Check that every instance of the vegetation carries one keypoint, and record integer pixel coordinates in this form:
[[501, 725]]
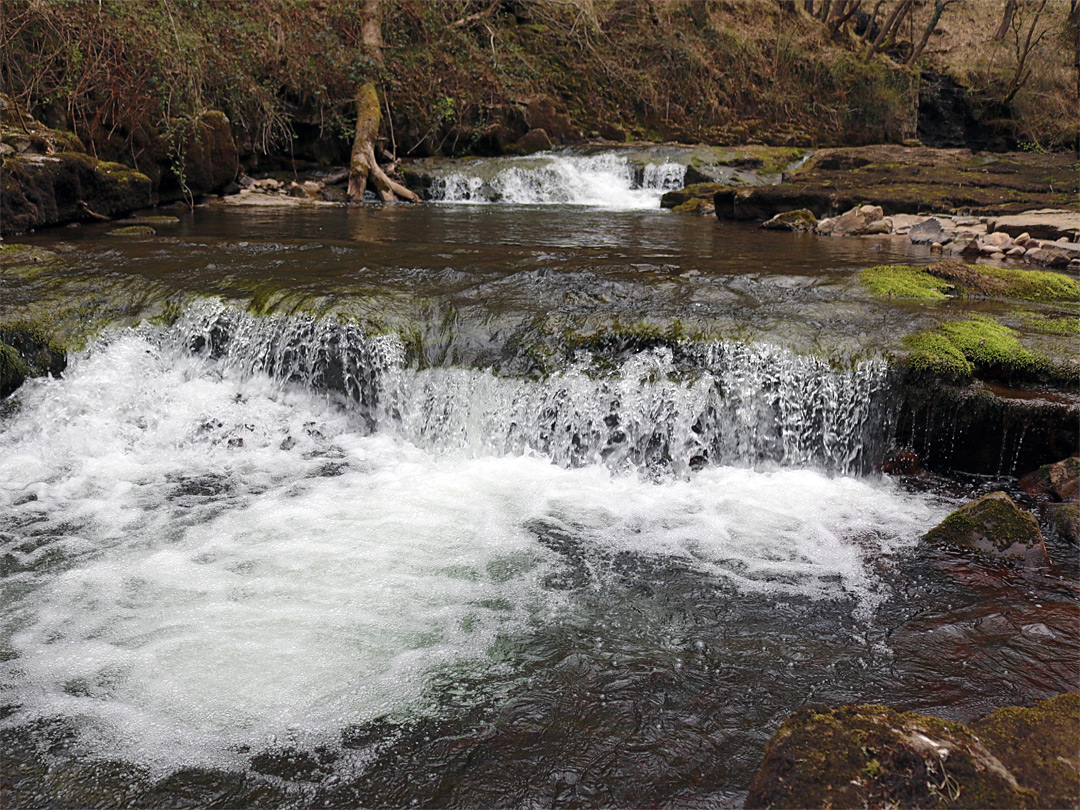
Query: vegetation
[[955, 279]]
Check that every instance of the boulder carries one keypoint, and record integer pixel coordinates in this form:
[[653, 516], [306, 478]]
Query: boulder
[[873, 756], [801, 220], [855, 222], [1052, 257], [992, 526], [1060, 481], [535, 140], [1061, 522], [927, 232], [206, 155]]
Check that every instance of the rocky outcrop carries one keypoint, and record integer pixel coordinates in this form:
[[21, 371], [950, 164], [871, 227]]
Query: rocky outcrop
[[48, 179], [1060, 481], [908, 180], [994, 527], [873, 756]]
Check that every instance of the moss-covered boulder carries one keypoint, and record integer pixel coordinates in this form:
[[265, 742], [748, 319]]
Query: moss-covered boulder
[[991, 526], [132, 230], [872, 756], [800, 220], [27, 351], [1040, 746]]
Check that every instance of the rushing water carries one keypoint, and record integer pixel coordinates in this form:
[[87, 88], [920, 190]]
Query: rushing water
[[426, 531]]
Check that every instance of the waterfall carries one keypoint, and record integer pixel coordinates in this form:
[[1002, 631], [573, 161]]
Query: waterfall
[[706, 403], [607, 180]]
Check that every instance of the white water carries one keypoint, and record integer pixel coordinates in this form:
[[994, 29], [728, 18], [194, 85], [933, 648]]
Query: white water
[[205, 557], [606, 180]]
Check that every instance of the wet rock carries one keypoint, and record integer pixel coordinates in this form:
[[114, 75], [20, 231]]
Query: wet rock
[[1060, 481], [901, 462], [132, 230], [992, 526], [27, 351], [800, 220], [1040, 746], [1052, 257], [872, 756], [1061, 537]]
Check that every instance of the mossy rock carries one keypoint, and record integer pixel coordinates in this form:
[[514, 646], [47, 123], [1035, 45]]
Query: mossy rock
[[1062, 326], [133, 230], [1040, 746], [702, 191], [149, 220], [955, 279], [800, 220], [873, 756], [991, 526], [980, 346], [27, 351], [696, 205]]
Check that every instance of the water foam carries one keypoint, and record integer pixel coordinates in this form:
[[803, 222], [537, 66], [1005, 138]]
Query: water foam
[[202, 559], [606, 180]]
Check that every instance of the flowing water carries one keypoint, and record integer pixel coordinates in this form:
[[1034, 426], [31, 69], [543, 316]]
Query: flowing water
[[471, 505]]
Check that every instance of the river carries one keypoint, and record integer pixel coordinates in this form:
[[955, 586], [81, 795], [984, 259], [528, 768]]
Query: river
[[507, 503]]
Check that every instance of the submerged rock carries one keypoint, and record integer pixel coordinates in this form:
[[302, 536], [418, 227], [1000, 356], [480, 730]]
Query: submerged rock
[[993, 526], [873, 756]]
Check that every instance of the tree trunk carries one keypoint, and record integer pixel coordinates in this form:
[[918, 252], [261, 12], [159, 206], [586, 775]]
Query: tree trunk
[[939, 9], [362, 164], [894, 22], [1006, 21]]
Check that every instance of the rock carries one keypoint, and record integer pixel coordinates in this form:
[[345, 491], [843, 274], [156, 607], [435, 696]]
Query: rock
[[208, 155], [964, 244], [1015, 252], [1039, 746], [871, 213], [997, 239], [1052, 257], [26, 351], [1022, 239], [800, 220], [1061, 522], [937, 247], [880, 227], [903, 223], [535, 140], [901, 462], [927, 232], [1043, 223], [991, 526], [1060, 481], [872, 756], [854, 222], [997, 254], [132, 230]]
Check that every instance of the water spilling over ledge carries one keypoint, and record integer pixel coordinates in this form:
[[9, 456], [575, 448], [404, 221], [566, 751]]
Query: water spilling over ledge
[[659, 408]]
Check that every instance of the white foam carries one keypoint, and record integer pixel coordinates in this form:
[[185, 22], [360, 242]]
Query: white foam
[[606, 180], [236, 563]]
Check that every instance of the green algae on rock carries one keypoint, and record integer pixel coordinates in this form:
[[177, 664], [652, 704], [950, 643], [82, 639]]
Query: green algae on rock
[[993, 526], [26, 350]]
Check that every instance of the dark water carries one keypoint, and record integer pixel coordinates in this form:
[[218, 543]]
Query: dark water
[[447, 521]]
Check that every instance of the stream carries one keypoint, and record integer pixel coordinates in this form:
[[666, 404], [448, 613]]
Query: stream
[[478, 503]]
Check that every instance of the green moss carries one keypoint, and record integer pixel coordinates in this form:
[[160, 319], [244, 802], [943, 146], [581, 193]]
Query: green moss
[[937, 281], [992, 524], [693, 206], [934, 355], [13, 369], [891, 281], [1064, 326], [994, 348], [133, 230], [981, 346]]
